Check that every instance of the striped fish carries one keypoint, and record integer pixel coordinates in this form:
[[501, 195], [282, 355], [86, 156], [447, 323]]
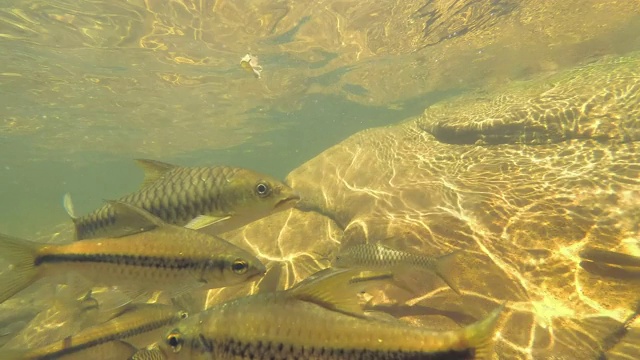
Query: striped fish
[[108, 340], [165, 257], [318, 319]]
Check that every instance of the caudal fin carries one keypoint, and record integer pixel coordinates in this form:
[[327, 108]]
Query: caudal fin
[[22, 271], [443, 267], [480, 336]]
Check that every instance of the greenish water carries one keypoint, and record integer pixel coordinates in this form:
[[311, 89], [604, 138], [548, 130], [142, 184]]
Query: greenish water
[[34, 178], [32, 190]]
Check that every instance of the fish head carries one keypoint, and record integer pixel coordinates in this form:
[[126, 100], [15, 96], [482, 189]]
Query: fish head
[[170, 347], [255, 196], [237, 266], [183, 342], [343, 258], [340, 261]]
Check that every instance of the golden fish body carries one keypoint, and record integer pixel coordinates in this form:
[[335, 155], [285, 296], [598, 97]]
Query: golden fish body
[[217, 199], [309, 323], [167, 257], [110, 339]]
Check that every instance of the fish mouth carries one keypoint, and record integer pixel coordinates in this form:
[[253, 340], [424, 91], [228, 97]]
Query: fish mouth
[[257, 276], [287, 202]]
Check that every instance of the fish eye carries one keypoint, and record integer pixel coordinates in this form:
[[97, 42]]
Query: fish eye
[[174, 339], [263, 189], [240, 266], [183, 314]]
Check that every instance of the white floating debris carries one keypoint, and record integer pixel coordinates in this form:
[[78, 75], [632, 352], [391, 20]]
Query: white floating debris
[[250, 63]]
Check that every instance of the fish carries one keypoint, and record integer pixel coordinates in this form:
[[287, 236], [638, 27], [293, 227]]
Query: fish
[[374, 256], [211, 199], [319, 319], [163, 258], [618, 334], [64, 315], [110, 339], [609, 257]]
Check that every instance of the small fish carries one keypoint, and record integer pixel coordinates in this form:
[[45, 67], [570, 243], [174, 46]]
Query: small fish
[[165, 257], [377, 256], [319, 320], [63, 315], [135, 322], [250, 63], [609, 257], [213, 199]]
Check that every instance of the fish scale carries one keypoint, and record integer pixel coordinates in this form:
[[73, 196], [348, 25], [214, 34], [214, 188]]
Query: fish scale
[[222, 197]]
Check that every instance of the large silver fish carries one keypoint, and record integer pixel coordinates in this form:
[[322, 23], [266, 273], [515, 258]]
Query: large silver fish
[[213, 199], [378, 256], [165, 257], [318, 319], [108, 340]]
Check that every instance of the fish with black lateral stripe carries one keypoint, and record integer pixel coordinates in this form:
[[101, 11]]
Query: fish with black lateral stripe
[[319, 319], [164, 257], [108, 340]]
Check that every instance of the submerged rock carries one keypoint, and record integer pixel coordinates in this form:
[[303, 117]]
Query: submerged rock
[[520, 180]]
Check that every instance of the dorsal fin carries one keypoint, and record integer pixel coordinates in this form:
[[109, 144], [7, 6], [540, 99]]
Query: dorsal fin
[[132, 219], [68, 207], [338, 290], [153, 170]]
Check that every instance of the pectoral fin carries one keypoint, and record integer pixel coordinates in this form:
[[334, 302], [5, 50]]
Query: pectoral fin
[[203, 221], [338, 289]]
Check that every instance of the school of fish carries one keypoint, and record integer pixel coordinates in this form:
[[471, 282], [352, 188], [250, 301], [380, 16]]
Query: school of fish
[[156, 245]]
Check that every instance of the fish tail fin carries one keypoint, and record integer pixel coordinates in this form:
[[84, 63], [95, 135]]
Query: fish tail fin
[[22, 272], [443, 267], [480, 335]]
